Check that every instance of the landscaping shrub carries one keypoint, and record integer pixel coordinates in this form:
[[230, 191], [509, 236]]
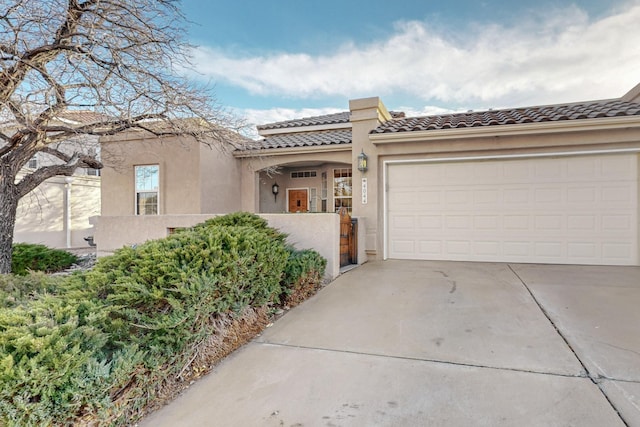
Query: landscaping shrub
[[302, 276], [49, 369], [244, 219], [32, 257], [97, 347]]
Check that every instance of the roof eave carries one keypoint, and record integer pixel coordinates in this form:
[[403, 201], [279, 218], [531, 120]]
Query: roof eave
[[291, 150], [606, 123]]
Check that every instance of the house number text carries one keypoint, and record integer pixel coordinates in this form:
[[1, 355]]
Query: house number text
[[364, 191]]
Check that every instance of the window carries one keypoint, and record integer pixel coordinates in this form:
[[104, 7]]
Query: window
[[147, 182], [33, 163], [303, 174], [313, 199], [91, 171], [323, 191], [342, 189]]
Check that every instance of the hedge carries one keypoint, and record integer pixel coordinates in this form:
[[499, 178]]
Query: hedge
[[27, 257], [99, 346]]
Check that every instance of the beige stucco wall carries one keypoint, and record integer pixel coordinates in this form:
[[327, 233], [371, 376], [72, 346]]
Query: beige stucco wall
[[179, 165], [319, 231], [194, 178], [41, 215], [316, 231], [367, 114], [220, 180], [109, 234]]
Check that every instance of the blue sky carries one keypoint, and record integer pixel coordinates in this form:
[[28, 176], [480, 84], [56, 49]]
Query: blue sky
[[275, 60]]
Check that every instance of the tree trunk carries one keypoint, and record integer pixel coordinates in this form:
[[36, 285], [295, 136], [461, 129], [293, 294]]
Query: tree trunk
[[8, 208]]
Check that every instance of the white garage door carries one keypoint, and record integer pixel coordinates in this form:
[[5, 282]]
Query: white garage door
[[569, 210]]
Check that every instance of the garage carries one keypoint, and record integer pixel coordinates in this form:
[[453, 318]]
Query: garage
[[559, 209]]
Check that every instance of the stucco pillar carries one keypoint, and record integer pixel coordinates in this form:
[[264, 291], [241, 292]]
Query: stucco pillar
[[250, 187], [366, 115], [67, 210]]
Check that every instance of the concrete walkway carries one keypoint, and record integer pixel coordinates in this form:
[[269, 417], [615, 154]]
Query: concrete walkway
[[426, 343]]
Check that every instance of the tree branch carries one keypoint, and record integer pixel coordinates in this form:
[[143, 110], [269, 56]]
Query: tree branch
[[31, 181]]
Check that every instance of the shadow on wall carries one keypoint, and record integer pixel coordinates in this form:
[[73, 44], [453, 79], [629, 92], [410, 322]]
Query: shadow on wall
[[43, 214]]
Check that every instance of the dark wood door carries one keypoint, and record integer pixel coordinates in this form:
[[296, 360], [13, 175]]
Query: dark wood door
[[298, 201]]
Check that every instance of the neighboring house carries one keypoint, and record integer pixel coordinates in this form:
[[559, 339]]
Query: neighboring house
[[57, 213], [542, 184]]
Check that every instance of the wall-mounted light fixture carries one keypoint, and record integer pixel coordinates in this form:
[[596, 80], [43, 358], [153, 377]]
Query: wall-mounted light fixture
[[362, 162], [275, 188]]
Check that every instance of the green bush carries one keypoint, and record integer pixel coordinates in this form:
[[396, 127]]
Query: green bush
[[101, 344], [302, 275], [243, 219], [164, 285], [49, 369], [32, 257]]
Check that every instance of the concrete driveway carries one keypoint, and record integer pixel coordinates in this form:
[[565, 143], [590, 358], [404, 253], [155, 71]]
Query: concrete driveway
[[429, 343]]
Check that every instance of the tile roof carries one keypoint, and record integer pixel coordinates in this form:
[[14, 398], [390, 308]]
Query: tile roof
[[305, 139], [327, 119], [552, 113], [83, 116]]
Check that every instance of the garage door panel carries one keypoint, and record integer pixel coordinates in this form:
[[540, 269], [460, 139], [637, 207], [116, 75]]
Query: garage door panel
[[548, 250], [612, 223], [430, 247], [582, 222], [584, 169], [621, 194], [620, 251], [487, 248], [617, 167], [549, 171], [580, 210], [582, 194]]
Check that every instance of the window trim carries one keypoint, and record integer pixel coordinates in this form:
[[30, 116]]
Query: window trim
[[135, 189]]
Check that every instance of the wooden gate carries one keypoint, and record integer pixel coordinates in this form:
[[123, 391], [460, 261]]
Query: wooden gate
[[348, 241]]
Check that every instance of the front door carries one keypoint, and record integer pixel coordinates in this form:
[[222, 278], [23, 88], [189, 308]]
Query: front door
[[298, 201]]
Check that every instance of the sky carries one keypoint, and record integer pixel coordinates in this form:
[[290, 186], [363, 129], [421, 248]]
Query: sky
[[273, 60]]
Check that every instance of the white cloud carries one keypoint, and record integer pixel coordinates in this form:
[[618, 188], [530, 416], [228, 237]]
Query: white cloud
[[559, 57]]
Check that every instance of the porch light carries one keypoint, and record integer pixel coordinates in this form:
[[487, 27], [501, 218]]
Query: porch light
[[275, 188], [362, 162]]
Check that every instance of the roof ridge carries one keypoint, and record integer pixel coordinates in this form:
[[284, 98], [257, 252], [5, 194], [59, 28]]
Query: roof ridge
[[330, 118], [506, 109]]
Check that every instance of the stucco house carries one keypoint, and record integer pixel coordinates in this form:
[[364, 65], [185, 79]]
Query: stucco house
[[541, 184], [58, 212]]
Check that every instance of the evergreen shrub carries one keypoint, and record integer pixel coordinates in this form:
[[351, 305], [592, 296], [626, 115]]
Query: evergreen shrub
[[27, 257], [302, 275], [97, 347]]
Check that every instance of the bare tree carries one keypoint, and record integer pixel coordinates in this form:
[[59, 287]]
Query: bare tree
[[123, 60]]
